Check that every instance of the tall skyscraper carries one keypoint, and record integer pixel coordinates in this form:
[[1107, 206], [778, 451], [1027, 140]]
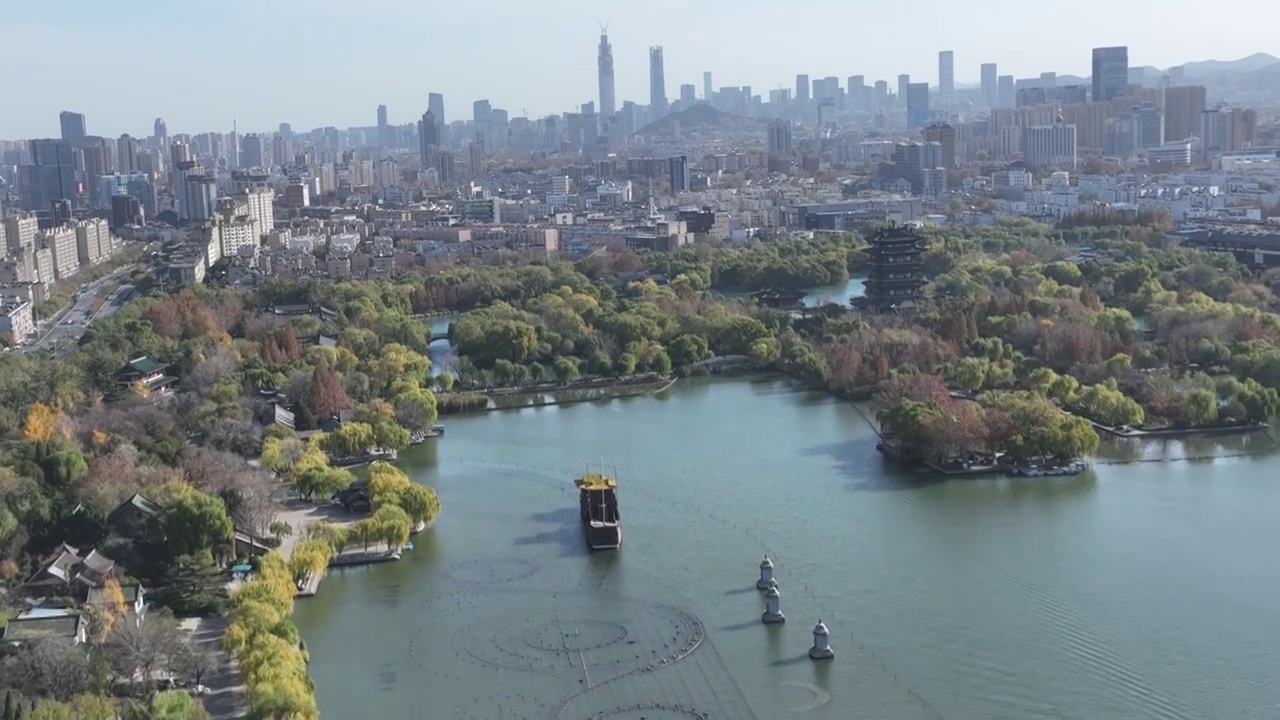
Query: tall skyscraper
[[604, 67], [688, 96], [990, 91], [384, 129], [73, 127], [657, 85], [482, 111], [946, 73], [903, 81], [51, 174], [126, 154], [917, 104], [1182, 109], [1005, 91], [435, 103], [706, 86], [1110, 73], [856, 92], [253, 151], [679, 173], [233, 145], [428, 137], [161, 130], [780, 137], [802, 89]]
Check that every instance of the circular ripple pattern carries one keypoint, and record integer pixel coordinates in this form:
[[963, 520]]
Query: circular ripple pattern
[[492, 571], [653, 711], [582, 636], [577, 641]]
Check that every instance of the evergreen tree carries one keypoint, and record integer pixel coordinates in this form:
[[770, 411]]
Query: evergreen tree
[[8, 705]]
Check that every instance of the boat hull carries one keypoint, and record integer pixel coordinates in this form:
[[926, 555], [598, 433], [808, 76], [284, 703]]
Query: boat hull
[[608, 537]]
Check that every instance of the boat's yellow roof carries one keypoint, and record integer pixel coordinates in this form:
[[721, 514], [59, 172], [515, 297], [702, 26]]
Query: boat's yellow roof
[[595, 481]]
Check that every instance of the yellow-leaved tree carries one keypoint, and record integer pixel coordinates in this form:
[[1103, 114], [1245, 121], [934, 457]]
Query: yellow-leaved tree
[[43, 422]]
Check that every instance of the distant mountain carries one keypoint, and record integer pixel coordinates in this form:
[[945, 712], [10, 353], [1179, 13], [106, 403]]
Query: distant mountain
[[1256, 61], [699, 117]]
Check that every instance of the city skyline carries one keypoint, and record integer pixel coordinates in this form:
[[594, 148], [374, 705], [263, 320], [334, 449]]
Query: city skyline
[[548, 71]]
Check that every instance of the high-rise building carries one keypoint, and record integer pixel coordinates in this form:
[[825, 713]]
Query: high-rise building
[[475, 156], [233, 145], [161, 130], [657, 85], [51, 174], [1183, 106], [126, 154], [990, 91], [435, 103], [706, 86], [126, 210], [428, 137], [679, 172], [1148, 126], [802, 89], [482, 112], [917, 104], [1228, 129], [856, 92], [945, 136], [903, 81], [946, 73], [73, 127], [384, 128], [604, 68], [780, 137], [253, 151], [688, 96], [1046, 146], [1005, 90], [1110, 73]]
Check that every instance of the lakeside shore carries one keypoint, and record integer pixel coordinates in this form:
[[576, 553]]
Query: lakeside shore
[[544, 395]]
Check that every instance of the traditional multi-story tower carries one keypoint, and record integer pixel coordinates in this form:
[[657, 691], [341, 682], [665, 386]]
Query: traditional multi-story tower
[[897, 272]]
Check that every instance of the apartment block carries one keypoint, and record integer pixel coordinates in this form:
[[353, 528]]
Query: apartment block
[[16, 318], [93, 241], [61, 243]]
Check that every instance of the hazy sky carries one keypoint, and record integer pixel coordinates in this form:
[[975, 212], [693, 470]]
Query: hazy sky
[[323, 62]]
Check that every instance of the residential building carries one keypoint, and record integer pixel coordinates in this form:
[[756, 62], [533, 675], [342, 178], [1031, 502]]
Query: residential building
[[16, 319], [945, 136], [780, 137], [127, 154], [20, 232], [1183, 107], [1050, 146], [61, 243], [50, 176], [1228, 129], [93, 241]]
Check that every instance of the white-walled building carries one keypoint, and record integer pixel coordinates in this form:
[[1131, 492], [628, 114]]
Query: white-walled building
[[1049, 146], [16, 318]]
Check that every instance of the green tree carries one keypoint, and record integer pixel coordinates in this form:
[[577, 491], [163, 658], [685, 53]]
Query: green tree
[[416, 410], [419, 502], [688, 349], [971, 373], [197, 524], [1200, 407], [566, 369], [351, 438]]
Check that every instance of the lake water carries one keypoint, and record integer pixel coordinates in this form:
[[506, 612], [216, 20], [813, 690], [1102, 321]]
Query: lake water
[[1136, 590]]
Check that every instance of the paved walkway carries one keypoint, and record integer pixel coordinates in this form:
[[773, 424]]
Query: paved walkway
[[227, 700]]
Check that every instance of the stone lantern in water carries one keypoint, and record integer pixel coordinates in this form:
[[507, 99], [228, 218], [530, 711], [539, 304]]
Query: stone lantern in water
[[766, 574], [821, 649], [772, 614]]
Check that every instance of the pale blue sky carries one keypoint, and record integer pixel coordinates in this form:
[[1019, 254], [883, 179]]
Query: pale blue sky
[[324, 62]]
